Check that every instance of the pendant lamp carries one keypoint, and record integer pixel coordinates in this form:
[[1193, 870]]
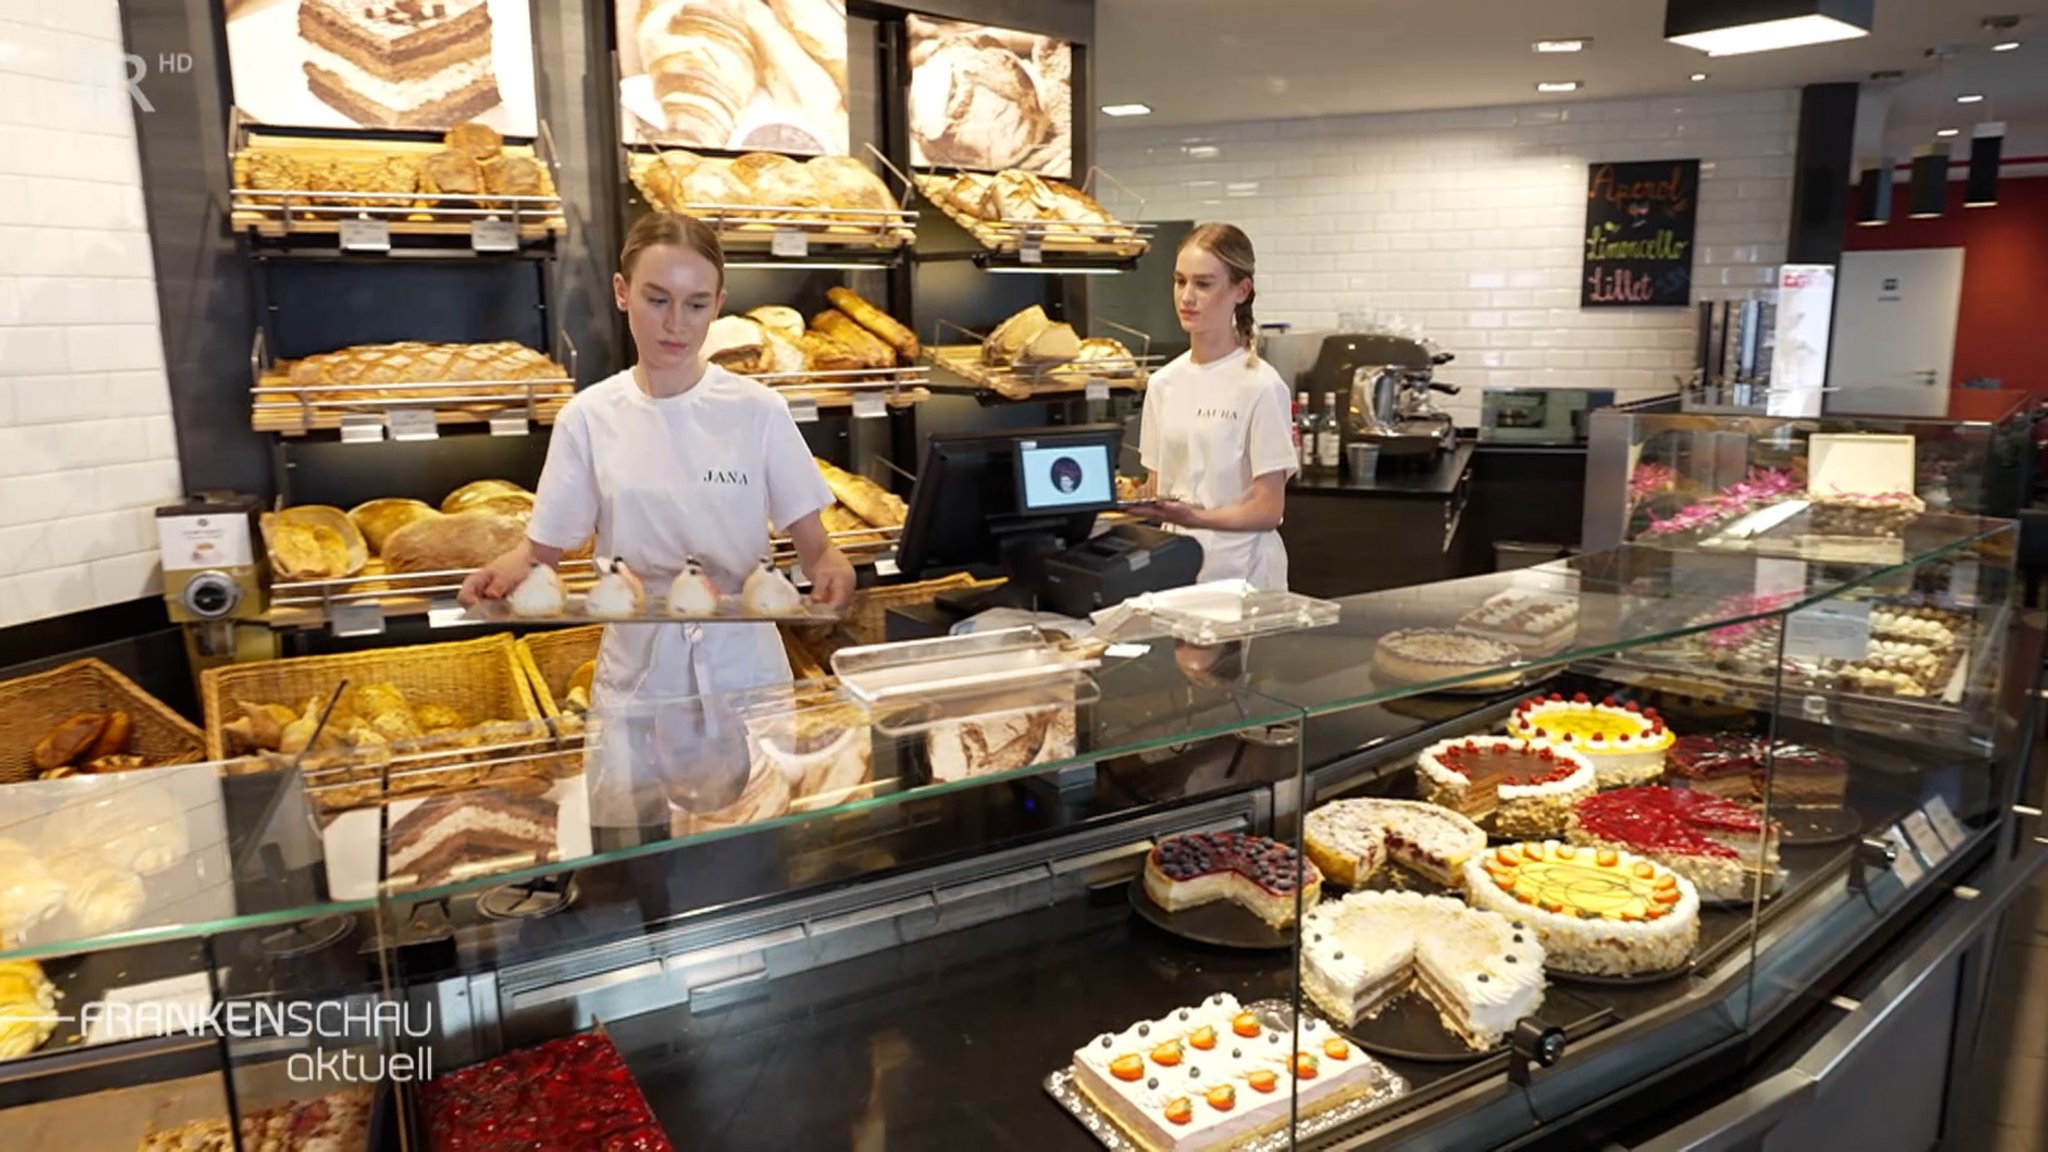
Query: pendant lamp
[[1987, 151], [1874, 193], [1928, 197], [1735, 27]]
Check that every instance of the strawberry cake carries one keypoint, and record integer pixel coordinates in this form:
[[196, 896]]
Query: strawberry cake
[[1598, 911], [1525, 789], [1348, 839], [1261, 875], [1214, 1076], [1625, 742], [1723, 847]]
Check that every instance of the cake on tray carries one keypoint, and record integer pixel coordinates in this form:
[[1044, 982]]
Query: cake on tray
[[1624, 742], [574, 1094], [1525, 789], [1721, 846], [1733, 765], [1258, 874], [1481, 971], [1348, 839], [1598, 911], [1537, 623], [1213, 1076], [400, 63], [1431, 655]]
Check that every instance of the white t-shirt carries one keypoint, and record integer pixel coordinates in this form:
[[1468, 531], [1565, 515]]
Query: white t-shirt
[[701, 474], [1209, 430]]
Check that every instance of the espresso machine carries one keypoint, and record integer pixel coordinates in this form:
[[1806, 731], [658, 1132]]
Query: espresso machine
[[1386, 387]]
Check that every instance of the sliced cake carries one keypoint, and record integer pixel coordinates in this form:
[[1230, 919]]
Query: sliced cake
[[1259, 874], [1524, 789], [1349, 838], [1598, 911], [1721, 846]]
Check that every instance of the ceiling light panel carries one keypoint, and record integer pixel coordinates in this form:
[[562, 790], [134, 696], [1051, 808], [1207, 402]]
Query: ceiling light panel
[[1738, 27]]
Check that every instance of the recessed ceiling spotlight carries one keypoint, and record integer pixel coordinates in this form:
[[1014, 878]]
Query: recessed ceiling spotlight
[[1945, 133], [1558, 86], [2008, 46], [1550, 47], [1698, 76], [1126, 109], [1970, 98]]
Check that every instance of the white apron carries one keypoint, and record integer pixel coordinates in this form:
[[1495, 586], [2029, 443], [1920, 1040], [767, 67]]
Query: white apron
[[703, 475]]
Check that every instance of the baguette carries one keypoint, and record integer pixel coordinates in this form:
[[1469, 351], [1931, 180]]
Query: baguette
[[873, 352], [902, 339], [868, 500]]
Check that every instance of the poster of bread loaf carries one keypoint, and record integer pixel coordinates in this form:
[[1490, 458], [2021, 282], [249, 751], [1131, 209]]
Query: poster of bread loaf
[[737, 75], [424, 65], [990, 99]]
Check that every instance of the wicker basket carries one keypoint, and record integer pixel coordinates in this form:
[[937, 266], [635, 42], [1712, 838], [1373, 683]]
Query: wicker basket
[[548, 658], [480, 679], [866, 622], [31, 705]]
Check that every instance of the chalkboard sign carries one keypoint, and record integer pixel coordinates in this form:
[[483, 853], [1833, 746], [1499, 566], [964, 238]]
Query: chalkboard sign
[[1639, 231]]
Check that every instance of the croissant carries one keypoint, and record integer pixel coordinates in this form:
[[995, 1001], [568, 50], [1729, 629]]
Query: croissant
[[792, 76], [702, 58], [820, 26]]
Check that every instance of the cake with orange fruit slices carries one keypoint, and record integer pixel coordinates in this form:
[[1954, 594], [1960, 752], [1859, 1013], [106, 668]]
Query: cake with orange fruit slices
[[1598, 911], [1215, 1076], [1625, 741]]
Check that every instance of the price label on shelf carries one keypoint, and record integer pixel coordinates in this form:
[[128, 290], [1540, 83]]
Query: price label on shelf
[[886, 566], [361, 619], [1098, 388], [362, 428], [1776, 577], [412, 424], [790, 244], [1829, 631], [144, 1010], [1962, 583], [364, 235], [1923, 836], [1906, 864], [493, 235], [1031, 249], [802, 409], [1945, 823], [869, 405], [510, 424]]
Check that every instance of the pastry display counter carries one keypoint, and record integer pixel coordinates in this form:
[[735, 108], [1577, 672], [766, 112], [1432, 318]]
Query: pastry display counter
[[802, 919]]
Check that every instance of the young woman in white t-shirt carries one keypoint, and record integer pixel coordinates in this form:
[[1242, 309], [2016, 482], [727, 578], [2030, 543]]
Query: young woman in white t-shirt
[[673, 458], [1216, 436]]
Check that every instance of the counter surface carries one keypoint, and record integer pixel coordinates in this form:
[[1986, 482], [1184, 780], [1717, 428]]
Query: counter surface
[[1428, 483]]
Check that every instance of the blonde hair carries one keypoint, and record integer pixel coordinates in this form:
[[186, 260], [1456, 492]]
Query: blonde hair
[[658, 228], [1233, 249]]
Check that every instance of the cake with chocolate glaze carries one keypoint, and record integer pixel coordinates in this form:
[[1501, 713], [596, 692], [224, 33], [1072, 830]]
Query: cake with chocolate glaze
[[1524, 788], [1258, 874], [1734, 766]]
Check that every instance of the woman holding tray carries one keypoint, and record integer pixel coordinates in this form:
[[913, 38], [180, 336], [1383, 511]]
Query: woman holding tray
[[1216, 436], [670, 459]]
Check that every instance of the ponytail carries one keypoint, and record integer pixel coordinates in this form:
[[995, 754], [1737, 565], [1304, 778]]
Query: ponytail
[[1228, 244]]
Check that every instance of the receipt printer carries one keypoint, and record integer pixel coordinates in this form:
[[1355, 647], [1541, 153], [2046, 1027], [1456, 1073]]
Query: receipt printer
[[1117, 565]]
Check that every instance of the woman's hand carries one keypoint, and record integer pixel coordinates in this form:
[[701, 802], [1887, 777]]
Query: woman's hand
[[496, 580], [832, 582], [1173, 512]]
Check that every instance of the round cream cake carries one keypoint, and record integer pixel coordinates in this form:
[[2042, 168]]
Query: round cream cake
[[1625, 742], [1525, 788], [1598, 911], [1439, 655]]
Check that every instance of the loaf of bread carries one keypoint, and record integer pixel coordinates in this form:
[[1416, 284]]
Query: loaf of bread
[[467, 497], [374, 371], [1007, 342], [737, 344], [873, 351], [868, 500], [777, 180], [844, 182], [378, 519], [894, 334], [780, 319], [475, 139], [1054, 344], [459, 543], [660, 178], [824, 354], [451, 173]]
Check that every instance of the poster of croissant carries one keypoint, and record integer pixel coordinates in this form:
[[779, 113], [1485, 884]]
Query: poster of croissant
[[410, 64], [741, 75], [990, 99]]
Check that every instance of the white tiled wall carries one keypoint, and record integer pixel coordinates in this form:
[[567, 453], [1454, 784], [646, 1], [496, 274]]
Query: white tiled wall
[[1468, 224], [86, 445]]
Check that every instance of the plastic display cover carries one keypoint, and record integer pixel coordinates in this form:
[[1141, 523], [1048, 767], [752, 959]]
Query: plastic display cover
[[1229, 610]]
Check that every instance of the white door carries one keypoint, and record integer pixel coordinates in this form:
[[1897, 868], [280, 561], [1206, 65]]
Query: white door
[[1895, 332]]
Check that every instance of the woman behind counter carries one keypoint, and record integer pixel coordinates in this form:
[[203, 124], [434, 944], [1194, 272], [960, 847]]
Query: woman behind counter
[[1216, 435]]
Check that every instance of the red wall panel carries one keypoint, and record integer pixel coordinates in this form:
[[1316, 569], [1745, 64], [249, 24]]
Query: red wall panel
[[2002, 328]]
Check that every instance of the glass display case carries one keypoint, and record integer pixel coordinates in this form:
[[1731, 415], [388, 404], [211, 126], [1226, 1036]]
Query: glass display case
[[1456, 867], [1675, 478]]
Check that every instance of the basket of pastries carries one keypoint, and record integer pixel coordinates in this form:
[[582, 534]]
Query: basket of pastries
[[83, 718], [431, 713], [296, 183]]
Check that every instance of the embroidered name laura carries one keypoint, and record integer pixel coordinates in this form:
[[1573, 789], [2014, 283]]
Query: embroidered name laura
[[716, 476], [1216, 413]]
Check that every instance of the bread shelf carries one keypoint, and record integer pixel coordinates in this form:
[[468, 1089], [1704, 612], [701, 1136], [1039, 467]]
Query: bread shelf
[[967, 363], [291, 214], [757, 234], [898, 387], [1022, 243], [278, 405]]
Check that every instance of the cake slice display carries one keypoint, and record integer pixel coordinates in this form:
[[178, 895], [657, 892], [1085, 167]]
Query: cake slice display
[[1258, 874], [1214, 1076], [1721, 846], [467, 834], [1348, 839], [400, 63], [1625, 742], [1525, 789], [1733, 765], [1481, 971], [1598, 911]]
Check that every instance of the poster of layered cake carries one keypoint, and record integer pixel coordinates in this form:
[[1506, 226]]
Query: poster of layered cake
[[990, 99], [457, 837], [423, 65], [734, 75]]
